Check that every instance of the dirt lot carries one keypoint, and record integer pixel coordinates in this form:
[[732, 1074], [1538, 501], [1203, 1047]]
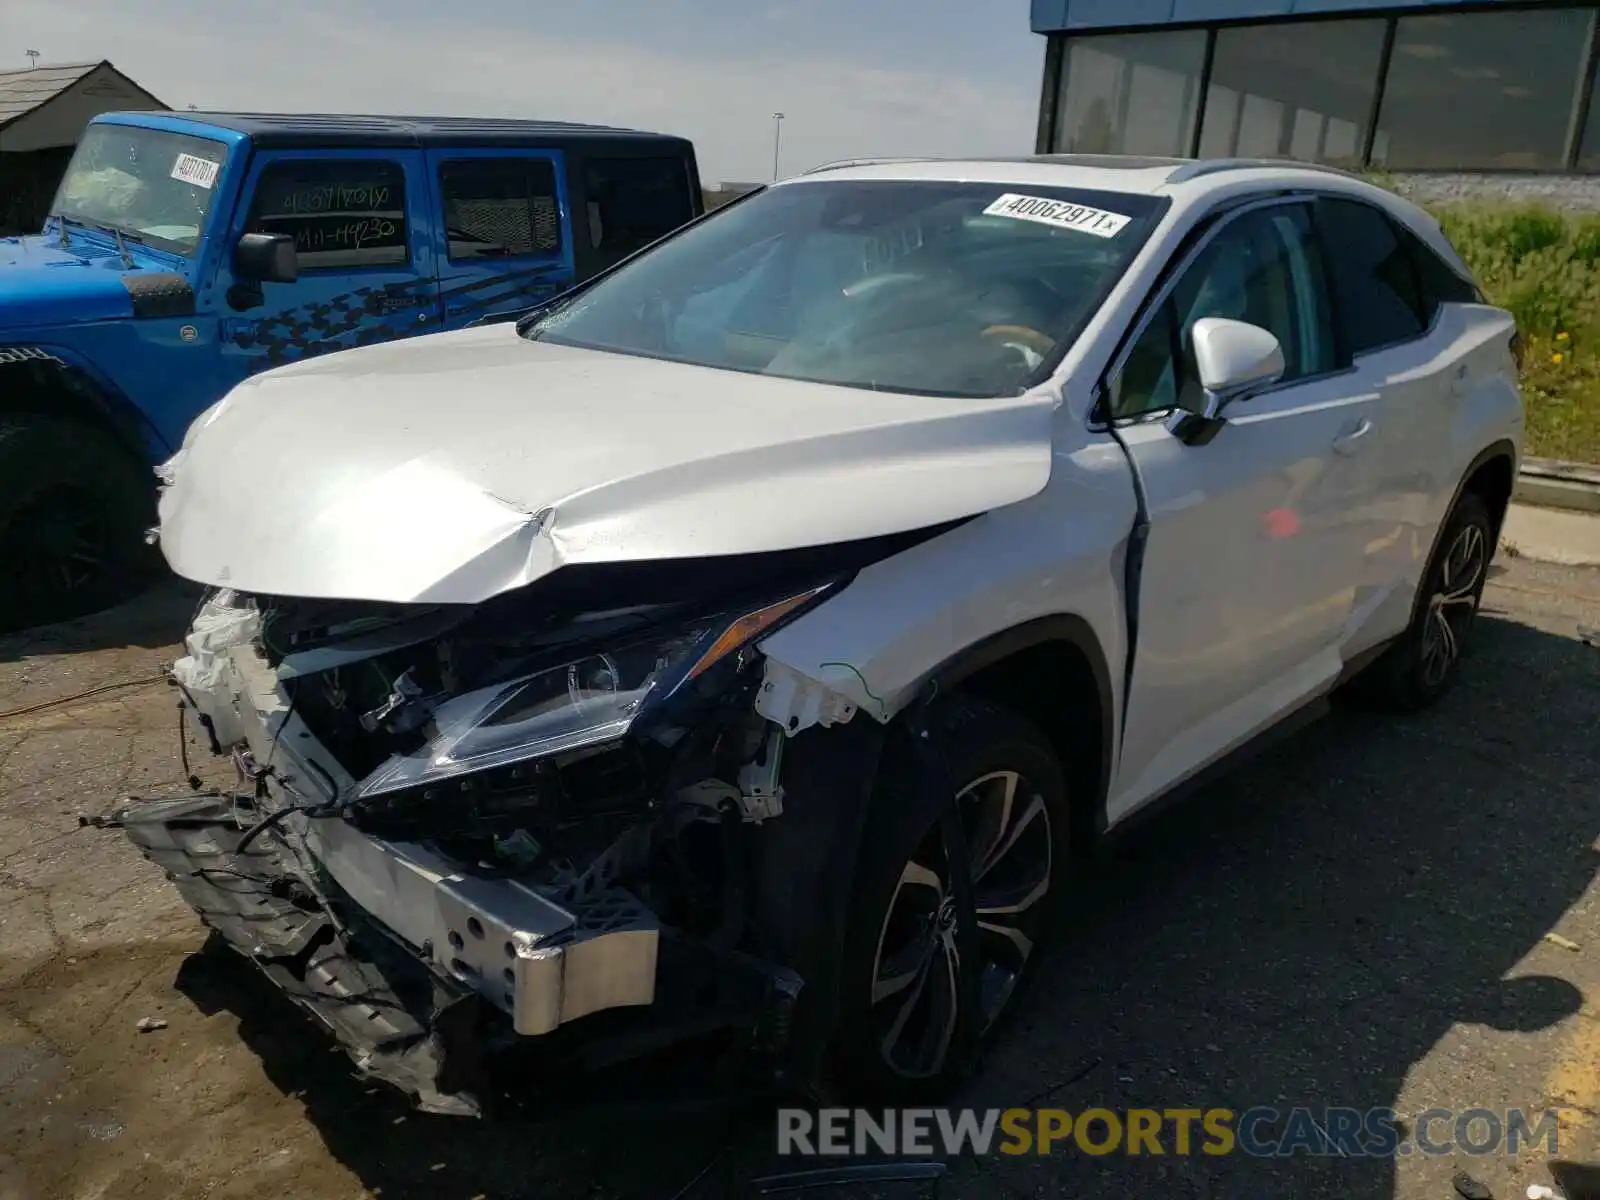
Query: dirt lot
[[1358, 918]]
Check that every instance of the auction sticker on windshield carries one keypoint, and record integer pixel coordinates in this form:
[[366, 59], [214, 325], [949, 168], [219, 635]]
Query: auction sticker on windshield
[[1060, 213], [190, 168]]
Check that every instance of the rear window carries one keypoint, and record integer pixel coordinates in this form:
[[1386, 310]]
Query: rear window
[[635, 201], [500, 207], [1438, 282], [1379, 298]]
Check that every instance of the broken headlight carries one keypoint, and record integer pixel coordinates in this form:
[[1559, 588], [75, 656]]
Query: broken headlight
[[586, 702]]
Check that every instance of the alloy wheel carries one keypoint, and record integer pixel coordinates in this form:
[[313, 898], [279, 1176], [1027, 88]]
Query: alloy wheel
[[919, 973], [1453, 604]]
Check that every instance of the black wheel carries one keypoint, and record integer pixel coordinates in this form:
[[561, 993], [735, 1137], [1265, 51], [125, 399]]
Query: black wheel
[[1421, 666], [922, 984], [74, 506]]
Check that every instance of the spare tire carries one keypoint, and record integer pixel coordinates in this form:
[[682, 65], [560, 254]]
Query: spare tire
[[74, 508]]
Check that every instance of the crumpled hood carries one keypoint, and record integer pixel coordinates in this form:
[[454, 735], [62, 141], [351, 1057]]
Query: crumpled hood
[[449, 468], [42, 284]]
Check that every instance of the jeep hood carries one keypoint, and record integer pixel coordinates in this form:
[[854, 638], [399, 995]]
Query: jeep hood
[[42, 284], [450, 468]]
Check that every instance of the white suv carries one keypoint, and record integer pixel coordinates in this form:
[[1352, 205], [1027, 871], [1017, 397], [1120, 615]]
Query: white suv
[[741, 642]]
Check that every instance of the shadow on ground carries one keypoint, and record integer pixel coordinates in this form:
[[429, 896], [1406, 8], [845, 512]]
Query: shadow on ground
[[159, 617], [1302, 933]]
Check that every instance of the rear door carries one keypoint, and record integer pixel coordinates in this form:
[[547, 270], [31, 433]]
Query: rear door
[[1249, 564], [361, 225], [1406, 328], [503, 240]]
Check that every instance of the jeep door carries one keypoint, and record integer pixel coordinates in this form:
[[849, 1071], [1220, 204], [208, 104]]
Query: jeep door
[[362, 225], [502, 242], [1254, 546]]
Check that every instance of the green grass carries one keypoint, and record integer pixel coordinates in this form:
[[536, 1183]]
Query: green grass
[[1544, 266]]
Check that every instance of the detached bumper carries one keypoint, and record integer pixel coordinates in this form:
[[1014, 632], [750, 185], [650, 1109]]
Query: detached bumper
[[398, 1022], [414, 1013]]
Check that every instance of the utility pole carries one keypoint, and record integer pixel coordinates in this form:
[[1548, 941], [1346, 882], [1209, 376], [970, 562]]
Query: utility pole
[[33, 58], [777, 137]]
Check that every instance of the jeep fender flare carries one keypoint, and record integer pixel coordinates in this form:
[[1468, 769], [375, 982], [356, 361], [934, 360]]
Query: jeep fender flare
[[56, 381]]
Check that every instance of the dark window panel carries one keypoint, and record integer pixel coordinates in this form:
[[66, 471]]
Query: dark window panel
[[1378, 295], [634, 201], [1485, 90], [1131, 93], [500, 207], [1438, 280], [341, 214], [1589, 141], [1298, 90]]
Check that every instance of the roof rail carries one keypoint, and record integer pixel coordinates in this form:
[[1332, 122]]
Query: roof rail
[[842, 163], [1214, 166], [1130, 162]]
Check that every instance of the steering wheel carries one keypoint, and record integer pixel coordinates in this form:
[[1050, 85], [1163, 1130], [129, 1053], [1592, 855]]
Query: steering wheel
[[1024, 337]]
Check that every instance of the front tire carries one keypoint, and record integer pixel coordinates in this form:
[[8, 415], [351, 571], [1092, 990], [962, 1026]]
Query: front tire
[[915, 1010], [74, 506]]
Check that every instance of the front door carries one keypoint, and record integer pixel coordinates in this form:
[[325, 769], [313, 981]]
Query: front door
[[1253, 548], [503, 243], [362, 230]]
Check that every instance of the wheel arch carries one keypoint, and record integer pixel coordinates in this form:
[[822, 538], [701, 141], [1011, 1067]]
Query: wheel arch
[[1055, 664], [1491, 475], [1053, 671], [40, 380]]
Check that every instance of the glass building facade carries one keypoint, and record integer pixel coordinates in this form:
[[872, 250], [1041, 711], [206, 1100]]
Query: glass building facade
[[1433, 87]]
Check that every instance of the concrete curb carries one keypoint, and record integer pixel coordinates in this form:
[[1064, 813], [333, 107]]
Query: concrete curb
[[1550, 535], [1550, 483]]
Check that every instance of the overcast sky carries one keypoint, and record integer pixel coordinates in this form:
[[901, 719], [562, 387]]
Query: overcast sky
[[854, 77]]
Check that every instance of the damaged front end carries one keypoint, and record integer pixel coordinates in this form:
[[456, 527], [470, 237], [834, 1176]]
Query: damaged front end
[[533, 821]]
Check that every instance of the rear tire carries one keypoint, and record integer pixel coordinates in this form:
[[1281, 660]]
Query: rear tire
[[905, 1034], [1423, 663], [74, 507]]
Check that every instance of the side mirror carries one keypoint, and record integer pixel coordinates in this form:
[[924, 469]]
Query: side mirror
[[1233, 359], [266, 258]]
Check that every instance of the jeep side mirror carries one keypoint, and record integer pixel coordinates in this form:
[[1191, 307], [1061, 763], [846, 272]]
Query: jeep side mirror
[[1233, 359], [266, 258]]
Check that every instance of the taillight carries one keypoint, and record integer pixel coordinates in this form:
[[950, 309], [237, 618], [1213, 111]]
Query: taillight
[[1519, 349]]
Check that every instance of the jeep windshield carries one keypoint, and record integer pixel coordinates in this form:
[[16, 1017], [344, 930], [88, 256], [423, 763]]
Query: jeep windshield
[[146, 184], [945, 288]]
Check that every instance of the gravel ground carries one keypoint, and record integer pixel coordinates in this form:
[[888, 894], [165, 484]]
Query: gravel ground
[[1357, 918]]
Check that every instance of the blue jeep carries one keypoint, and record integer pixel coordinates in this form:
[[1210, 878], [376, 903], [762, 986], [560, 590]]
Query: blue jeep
[[187, 251]]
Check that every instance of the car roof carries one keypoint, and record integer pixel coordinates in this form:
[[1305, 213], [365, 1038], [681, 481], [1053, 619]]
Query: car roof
[[1190, 183], [343, 130], [1141, 174]]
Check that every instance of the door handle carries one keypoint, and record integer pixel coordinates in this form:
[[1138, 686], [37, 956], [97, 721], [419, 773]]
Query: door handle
[[1350, 441]]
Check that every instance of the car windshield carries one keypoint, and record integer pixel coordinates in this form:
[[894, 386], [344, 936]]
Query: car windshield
[[962, 289], [147, 184]]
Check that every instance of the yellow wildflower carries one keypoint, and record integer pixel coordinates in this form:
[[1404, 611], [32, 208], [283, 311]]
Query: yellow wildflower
[[1556, 358], [1561, 337]]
